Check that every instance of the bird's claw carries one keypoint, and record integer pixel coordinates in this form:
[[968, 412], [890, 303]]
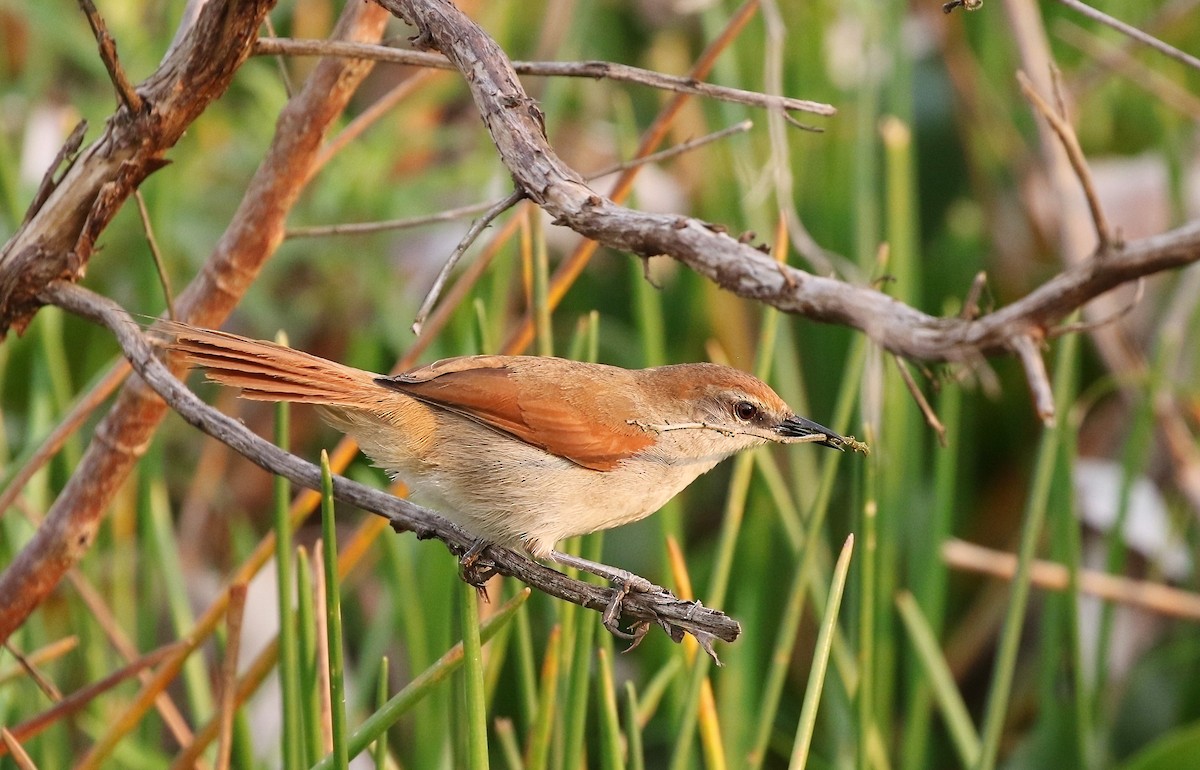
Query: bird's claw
[[475, 570]]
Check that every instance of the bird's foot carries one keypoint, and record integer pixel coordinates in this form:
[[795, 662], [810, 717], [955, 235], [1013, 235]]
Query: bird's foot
[[476, 570], [625, 582]]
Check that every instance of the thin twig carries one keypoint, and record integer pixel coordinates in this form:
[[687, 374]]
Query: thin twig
[[80, 698], [1035, 374], [66, 154], [595, 70], [1087, 326], [931, 417], [66, 427], [229, 668], [159, 266], [366, 228], [19, 755], [370, 115], [674, 616], [1114, 58], [288, 89], [671, 152], [970, 308], [1133, 32], [43, 683], [108, 54], [473, 232], [1070, 143], [1144, 594]]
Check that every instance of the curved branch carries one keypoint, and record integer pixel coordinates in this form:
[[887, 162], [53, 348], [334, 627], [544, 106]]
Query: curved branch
[[56, 240], [252, 236], [662, 608], [515, 124]]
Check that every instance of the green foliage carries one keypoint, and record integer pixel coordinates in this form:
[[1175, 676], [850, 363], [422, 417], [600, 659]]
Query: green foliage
[[926, 667]]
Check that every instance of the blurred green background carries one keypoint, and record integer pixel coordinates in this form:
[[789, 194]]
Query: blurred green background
[[933, 152]]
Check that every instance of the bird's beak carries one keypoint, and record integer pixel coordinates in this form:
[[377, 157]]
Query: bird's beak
[[798, 427]]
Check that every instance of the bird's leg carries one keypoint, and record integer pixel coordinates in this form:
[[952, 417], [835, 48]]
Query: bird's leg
[[614, 575], [477, 572], [624, 581]]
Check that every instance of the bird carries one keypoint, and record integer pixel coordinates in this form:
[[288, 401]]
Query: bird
[[521, 451]]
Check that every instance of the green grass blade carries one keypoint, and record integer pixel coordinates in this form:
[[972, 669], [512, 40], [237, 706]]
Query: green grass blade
[[954, 711], [291, 736], [816, 677], [378, 723], [476, 712], [333, 620], [306, 642], [1010, 639], [611, 757], [537, 754], [380, 750]]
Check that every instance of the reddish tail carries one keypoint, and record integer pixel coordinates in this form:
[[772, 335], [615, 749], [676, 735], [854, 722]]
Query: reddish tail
[[265, 371]]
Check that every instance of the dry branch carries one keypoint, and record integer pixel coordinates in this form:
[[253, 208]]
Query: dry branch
[[253, 234], [515, 125], [673, 615], [56, 240], [595, 70]]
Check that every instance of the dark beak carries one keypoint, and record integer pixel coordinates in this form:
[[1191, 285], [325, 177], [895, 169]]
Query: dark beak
[[798, 427]]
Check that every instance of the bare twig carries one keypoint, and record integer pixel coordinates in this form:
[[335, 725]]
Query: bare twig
[[108, 54], [284, 77], [1114, 58], [43, 683], [1028, 352], [159, 267], [671, 152], [66, 154], [1144, 594], [229, 669], [673, 615], [970, 309], [1133, 32], [82, 409], [966, 5], [742, 269], [365, 228], [252, 236], [1096, 323], [57, 240], [19, 755], [595, 70], [472, 233], [79, 699], [931, 417], [1070, 143], [370, 115]]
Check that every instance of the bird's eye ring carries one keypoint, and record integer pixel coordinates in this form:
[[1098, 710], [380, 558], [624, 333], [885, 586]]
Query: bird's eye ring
[[745, 411]]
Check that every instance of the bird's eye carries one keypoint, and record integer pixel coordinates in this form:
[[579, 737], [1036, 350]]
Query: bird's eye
[[745, 411]]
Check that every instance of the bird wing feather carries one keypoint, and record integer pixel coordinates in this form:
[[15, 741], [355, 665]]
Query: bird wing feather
[[527, 402]]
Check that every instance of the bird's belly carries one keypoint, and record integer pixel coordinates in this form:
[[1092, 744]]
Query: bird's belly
[[524, 496]]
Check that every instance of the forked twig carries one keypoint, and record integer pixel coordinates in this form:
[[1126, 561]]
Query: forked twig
[[931, 417], [1030, 355], [1070, 143], [1133, 32], [108, 54]]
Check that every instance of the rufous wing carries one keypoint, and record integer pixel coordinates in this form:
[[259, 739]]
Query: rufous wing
[[545, 409]]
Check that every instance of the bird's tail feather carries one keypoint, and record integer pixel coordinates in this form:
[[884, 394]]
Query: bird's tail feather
[[266, 371]]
